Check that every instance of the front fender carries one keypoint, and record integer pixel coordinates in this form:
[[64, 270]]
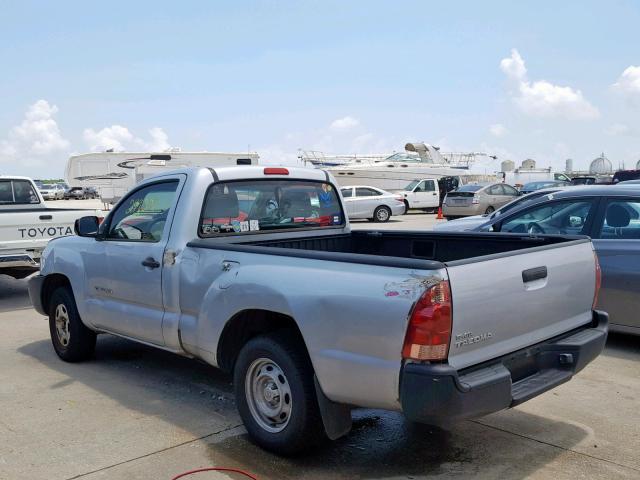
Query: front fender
[[63, 257]]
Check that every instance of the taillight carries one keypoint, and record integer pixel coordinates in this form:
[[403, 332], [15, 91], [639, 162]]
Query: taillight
[[475, 200], [276, 171], [598, 282], [429, 330], [399, 198]]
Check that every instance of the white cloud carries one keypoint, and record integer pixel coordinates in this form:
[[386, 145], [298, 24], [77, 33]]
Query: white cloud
[[629, 82], [498, 130], [617, 129], [119, 138], [159, 140], [37, 136], [542, 98], [345, 123]]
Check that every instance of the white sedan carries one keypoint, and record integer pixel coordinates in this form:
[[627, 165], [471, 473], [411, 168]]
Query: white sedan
[[371, 203]]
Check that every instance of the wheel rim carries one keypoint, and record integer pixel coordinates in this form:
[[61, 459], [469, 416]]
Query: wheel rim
[[268, 395], [382, 215], [62, 325]]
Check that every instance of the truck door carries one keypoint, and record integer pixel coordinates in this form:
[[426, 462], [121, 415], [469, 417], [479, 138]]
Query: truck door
[[134, 244], [430, 196]]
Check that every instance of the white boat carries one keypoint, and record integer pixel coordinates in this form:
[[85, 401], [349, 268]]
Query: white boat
[[115, 173], [420, 161]]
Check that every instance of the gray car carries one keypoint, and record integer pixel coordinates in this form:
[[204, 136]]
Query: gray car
[[610, 215], [477, 199]]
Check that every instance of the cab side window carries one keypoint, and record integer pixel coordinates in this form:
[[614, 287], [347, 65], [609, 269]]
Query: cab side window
[[143, 214], [346, 192]]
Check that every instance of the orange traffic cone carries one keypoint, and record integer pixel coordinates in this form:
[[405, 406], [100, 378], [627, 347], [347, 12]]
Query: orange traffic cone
[[439, 217]]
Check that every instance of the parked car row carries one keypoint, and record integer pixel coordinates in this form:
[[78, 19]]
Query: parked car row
[[60, 191]]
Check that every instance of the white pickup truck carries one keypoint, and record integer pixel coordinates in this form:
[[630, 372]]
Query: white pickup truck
[[256, 271], [27, 225], [421, 194]]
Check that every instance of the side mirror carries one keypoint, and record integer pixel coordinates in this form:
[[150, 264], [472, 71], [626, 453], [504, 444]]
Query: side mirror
[[86, 226]]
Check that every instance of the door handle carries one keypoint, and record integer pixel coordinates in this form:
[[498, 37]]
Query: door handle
[[45, 217], [150, 262], [537, 273]]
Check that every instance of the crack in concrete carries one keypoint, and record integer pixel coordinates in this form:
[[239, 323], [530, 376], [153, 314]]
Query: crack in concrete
[[560, 447], [155, 452]]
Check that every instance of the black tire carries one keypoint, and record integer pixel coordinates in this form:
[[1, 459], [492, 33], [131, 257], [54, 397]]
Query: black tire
[[382, 214], [81, 341], [304, 429], [406, 207], [489, 210]]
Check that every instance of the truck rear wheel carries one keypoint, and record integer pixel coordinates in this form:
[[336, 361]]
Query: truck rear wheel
[[72, 340], [275, 394]]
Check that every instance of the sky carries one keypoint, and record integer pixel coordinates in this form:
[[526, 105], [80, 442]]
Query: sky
[[545, 80]]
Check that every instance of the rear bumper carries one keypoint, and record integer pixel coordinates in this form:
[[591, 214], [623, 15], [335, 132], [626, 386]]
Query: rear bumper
[[438, 394], [19, 260], [35, 293]]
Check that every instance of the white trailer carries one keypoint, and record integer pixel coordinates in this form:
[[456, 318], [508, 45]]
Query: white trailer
[[114, 173]]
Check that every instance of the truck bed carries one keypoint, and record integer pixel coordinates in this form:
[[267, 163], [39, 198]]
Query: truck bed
[[508, 290], [419, 249]]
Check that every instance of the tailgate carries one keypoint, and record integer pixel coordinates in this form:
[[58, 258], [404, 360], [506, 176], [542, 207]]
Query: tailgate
[[506, 302], [28, 230]]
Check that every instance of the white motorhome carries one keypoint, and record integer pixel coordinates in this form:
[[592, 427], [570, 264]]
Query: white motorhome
[[114, 173]]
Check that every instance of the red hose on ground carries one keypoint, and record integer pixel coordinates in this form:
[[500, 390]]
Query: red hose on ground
[[215, 469]]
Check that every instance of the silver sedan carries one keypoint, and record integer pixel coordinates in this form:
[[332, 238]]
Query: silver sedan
[[477, 199], [371, 203]]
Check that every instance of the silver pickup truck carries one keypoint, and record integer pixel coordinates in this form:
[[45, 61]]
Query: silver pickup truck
[[255, 270]]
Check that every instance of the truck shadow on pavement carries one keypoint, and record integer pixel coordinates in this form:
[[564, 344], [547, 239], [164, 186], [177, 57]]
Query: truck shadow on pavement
[[198, 398]]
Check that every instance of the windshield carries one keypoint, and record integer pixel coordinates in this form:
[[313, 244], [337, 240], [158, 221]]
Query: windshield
[[538, 185], [412, 185], [403, 157], [520, 201], [259, 205]]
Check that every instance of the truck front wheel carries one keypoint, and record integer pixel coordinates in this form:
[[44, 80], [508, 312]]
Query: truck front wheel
[[275, 394], [72, 340]]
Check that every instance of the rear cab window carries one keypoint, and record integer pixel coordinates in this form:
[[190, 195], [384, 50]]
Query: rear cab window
[[254, 206], [17, 192]]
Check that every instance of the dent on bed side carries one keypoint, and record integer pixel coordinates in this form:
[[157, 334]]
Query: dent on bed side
[[411, 287]]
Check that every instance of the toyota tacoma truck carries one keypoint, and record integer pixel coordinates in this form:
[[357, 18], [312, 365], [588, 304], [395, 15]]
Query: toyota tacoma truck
[[26, 225], [255, 270]]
